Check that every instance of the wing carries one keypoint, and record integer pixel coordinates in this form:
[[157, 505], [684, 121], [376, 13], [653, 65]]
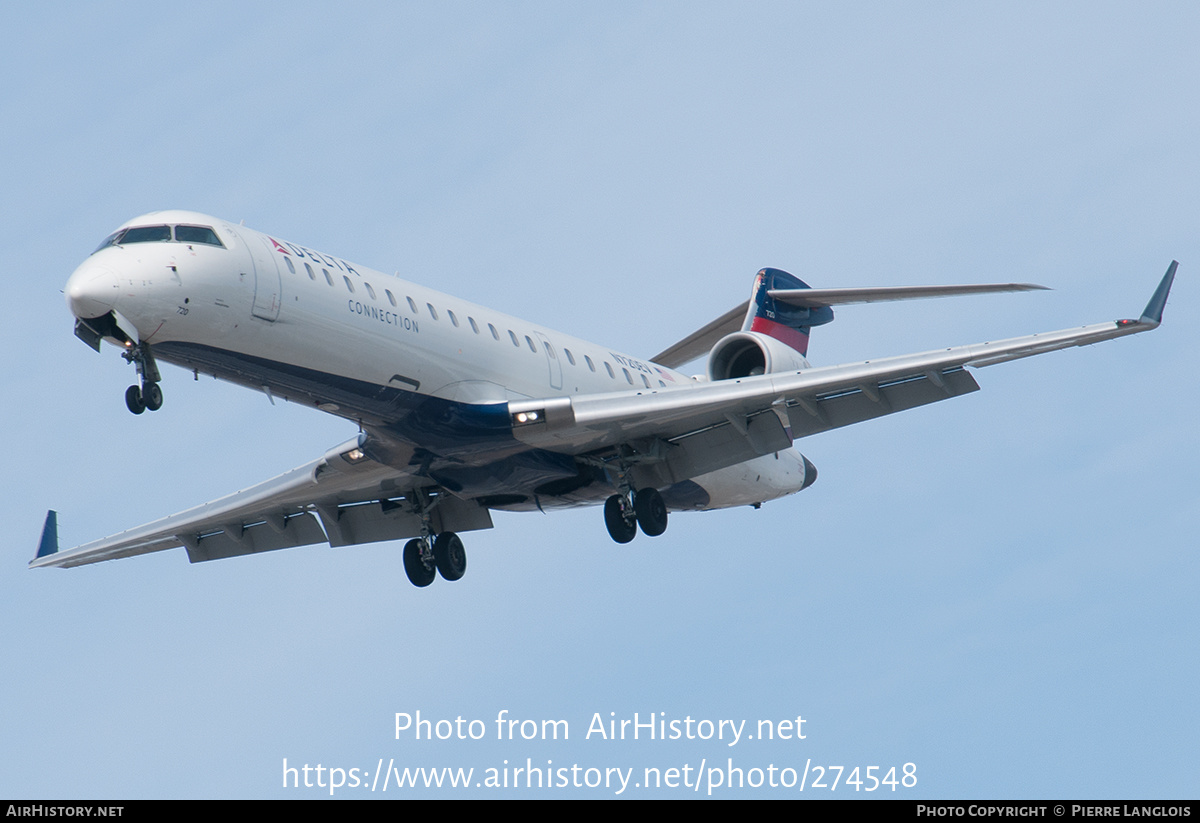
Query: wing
[[344, 498], [680, 432]]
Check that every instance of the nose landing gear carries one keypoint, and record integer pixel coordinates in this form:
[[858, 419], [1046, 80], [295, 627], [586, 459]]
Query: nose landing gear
[[145, 394], [147, 397]]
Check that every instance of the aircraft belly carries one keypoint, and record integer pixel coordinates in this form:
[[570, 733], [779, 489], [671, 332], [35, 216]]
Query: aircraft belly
[[519, 474], [467, 448]]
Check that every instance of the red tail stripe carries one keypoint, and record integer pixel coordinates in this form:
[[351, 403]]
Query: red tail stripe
[[798, 340]]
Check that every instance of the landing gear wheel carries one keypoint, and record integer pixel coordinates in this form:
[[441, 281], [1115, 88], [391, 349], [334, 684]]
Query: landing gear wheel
[[621, 527], [450, 556], [133, 400], [145, 394], [651, 511], [419, 573], [152, 396]]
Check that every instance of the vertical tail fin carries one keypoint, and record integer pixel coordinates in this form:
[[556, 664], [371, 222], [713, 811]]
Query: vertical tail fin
[[789, 325]]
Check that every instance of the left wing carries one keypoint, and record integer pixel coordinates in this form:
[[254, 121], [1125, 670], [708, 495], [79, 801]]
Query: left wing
[[700, 427], [343, 498]]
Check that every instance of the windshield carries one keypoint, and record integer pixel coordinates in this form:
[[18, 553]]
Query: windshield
[[146, 234], [162, 234]]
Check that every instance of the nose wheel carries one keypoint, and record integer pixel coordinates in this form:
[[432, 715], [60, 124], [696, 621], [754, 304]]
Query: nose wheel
[[139, 400], [145, 394]]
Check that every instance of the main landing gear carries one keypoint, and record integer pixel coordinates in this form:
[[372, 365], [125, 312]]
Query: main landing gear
[[145, 394], [431, 554], [624, 513], [426, 557]]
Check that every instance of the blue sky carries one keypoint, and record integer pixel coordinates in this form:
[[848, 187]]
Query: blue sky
[[999, 589]]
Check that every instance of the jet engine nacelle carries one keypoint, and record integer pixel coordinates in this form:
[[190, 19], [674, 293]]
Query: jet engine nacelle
[[748, 353]]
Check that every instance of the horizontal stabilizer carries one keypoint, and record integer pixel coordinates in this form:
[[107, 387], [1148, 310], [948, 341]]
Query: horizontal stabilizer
[[698, 343], [818, 298]]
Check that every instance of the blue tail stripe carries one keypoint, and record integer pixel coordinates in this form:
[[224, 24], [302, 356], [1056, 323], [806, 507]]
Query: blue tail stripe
[[49, 544]]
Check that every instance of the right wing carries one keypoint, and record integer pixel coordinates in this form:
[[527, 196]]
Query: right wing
[[343, 498], [680, 432]]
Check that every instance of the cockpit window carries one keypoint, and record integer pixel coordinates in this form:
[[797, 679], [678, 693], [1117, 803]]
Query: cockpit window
[[108, 241], [145, 234], [197, 234], [162, 234]]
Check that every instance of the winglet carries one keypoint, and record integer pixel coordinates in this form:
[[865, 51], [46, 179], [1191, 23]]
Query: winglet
[[49, 544], [1154, 309]]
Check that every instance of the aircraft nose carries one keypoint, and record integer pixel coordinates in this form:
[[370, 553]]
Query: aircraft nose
[[91, 291]]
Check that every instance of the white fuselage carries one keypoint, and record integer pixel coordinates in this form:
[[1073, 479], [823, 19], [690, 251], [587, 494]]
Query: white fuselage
[[316, 329]]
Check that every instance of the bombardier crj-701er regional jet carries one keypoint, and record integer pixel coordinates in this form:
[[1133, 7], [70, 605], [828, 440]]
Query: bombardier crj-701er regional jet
[[462, 410]]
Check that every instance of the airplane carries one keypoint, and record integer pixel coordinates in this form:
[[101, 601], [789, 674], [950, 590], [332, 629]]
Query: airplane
[[462, 410]]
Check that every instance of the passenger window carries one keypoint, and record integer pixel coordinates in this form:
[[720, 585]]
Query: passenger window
[[328, 279], [513, 337], [291, 268], [411, 304], [312, 275], [532, 347], [645, 382], [628, 378], [474, 325], [370, 290], [391, 297], [570, 357], [453, 319], [591, 365], [495, 334], [611, 373], [349, 285], [432, 311]]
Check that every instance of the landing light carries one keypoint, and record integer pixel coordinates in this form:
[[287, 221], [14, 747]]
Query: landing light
[[524, 418], [354, 455]]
